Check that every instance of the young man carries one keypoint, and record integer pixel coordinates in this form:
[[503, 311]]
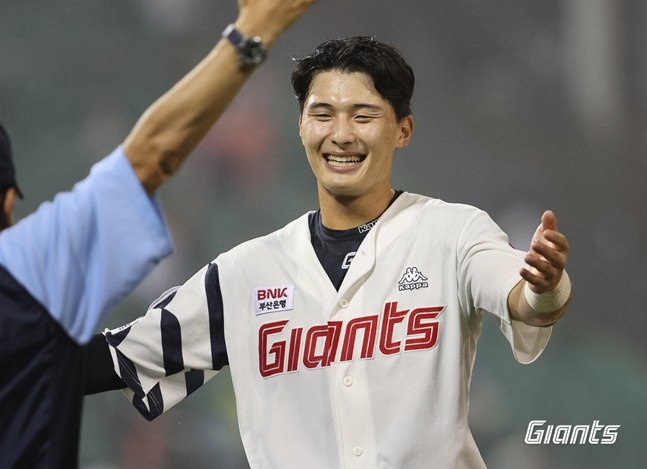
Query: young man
[[63, 267], [350, 333]]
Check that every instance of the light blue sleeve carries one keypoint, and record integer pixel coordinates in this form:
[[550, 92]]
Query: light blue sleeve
[[80, 254]]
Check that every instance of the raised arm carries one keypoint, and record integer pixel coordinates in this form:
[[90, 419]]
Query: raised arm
[[171, 127], [541, 298]]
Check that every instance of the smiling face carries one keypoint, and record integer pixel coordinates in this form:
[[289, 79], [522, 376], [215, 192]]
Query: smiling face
[[350, 133]]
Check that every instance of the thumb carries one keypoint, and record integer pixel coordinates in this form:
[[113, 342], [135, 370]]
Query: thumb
[[548, 221]]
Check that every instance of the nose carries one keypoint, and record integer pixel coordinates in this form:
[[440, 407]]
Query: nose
[[342, 133]]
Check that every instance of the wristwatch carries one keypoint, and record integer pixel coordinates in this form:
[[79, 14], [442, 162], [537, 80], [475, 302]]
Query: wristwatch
[[251, 50]]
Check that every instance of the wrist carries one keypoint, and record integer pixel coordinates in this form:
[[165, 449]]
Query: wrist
[[251, 50], [552, 300], [262, 29]]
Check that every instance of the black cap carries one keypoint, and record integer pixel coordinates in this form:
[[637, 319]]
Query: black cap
[[7, 170]]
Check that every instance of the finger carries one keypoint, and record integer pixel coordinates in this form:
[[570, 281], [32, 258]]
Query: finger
[[536, 283], [548, 221], [558, 239], [542, 267], [556, 258]]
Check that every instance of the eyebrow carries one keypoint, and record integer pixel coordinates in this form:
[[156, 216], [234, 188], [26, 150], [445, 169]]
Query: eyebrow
[[353, 107]]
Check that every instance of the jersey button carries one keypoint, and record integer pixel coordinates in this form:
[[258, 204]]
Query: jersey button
[[348, 381], [357, 451], [343, 303]]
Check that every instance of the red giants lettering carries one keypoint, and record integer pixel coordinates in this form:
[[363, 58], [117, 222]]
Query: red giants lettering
[[278, 349], [322, 342]]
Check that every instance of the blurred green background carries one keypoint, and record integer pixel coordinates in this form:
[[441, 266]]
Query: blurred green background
[[519, 107]]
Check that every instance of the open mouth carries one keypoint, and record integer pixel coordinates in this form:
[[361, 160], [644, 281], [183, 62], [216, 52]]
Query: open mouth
[[344, 160]]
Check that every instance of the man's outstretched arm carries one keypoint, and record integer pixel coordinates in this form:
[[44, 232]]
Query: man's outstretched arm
[[169, 130], [171, 127], [541, 298]]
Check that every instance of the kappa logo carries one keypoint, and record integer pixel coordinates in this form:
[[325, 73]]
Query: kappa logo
[[412, 279], [366, 226]]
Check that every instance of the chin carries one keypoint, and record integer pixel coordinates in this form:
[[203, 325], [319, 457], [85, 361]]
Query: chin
[[343, 192]]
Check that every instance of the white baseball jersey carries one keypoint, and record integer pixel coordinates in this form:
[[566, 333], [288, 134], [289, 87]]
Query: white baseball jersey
[[374, 375]]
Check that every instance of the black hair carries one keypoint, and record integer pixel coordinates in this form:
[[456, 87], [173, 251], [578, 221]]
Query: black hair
[[392, 77]]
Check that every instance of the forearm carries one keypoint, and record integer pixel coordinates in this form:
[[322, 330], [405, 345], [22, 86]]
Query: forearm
[[171, 128], [521, 310]]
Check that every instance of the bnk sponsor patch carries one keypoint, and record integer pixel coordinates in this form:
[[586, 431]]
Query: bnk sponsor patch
[[273, 299]]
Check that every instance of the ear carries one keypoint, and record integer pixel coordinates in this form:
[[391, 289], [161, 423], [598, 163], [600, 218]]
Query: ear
[[301, 127], [7, 204], [406, 130]]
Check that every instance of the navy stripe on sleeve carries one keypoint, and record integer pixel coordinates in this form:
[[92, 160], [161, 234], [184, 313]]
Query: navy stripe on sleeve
[[171, 343], [128, 373], [155, 402], [194, 379], [216, 318]]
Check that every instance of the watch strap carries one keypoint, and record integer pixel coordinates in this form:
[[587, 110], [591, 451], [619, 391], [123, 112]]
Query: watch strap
[[251, 50], [234, 36]]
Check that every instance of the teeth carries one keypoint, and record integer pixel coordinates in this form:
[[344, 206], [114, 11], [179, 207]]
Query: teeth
[[347, 160]]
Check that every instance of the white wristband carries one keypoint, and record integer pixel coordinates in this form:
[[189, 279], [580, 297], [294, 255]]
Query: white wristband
[[552, 300]]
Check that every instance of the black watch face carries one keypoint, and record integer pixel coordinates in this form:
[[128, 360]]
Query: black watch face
[[251, 53]]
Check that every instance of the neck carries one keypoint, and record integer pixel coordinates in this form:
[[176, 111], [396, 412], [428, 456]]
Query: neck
[[346, 212]]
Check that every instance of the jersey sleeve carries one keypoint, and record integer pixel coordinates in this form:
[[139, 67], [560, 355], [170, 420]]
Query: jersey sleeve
[[488, 270], [175, 348], [81, 253]]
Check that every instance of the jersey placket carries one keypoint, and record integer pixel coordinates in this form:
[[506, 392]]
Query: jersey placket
[[352, 389], [354, 414]]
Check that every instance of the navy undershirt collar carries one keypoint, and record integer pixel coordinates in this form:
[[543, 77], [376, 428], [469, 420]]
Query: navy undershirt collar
[[335, 249]]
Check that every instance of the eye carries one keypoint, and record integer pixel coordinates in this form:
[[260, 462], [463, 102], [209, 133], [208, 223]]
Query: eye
[[363, 118], [322, 117]]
